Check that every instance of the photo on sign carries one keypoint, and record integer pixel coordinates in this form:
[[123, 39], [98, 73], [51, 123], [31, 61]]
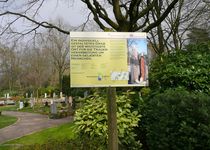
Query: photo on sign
[[137, 61]]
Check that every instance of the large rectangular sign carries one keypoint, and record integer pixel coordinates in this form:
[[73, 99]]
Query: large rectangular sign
[[103, 59]]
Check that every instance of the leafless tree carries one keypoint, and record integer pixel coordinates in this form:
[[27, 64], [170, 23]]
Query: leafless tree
[[58, 46], [122, 15], [36, 68], [9, 66], [171, 33]]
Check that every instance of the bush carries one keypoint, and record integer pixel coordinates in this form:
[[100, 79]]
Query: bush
[[91, 120], [177, 119], [26, 103], [188, 68], [66, 144]]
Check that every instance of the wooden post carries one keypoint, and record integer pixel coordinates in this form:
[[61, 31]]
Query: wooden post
[[112, 119]]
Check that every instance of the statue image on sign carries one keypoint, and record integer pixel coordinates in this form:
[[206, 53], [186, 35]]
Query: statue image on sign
[[137, 61]]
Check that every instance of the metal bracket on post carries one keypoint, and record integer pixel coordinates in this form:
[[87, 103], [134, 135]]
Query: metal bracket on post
[[112, 119]]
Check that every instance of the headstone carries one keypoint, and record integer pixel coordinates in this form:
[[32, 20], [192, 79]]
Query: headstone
[[26, 95], [45, 95], [21, 105], [7, 95], [66, 100], [31, 95], [54, 95], [61, 94], [70, 101], [32, 102], [53, 108]]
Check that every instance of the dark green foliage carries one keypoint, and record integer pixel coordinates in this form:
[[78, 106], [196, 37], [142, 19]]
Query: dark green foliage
[[177, 120], [26, 103], [79, 143], [66, 85], [68, 91], [49, 90], [188, 68]]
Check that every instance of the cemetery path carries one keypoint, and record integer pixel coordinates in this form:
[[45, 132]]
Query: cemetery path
[[28, 123]]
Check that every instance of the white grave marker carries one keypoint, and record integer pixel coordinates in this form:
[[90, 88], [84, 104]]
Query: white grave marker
[[61, 94], [21, 105]]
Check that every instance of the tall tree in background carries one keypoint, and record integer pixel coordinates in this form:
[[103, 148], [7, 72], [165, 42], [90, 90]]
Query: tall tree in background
[[199, 35], [36, 67], [58, 46], [172, 32], [9, 67]]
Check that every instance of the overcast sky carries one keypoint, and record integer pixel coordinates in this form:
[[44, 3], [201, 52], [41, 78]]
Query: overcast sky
[[75, 14]]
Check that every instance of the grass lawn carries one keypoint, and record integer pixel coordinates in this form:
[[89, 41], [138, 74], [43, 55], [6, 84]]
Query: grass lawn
[[58, 133], [6, 120], [36, 109], [8, 108]]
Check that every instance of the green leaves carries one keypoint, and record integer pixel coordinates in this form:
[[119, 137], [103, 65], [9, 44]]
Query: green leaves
[[177, 119], [187, 68], [91, 119]]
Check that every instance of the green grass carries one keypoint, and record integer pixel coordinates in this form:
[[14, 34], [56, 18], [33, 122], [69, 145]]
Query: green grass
[[6, 120], [8, 108], [61, 132], [36, 109]]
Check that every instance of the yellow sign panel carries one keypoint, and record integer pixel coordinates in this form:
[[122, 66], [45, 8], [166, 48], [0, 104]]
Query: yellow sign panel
[[101, 59]]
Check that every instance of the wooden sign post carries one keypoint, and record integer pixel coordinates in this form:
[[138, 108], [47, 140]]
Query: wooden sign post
[[112, 119]]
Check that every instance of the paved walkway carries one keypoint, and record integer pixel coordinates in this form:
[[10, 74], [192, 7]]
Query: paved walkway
[[27, 123]]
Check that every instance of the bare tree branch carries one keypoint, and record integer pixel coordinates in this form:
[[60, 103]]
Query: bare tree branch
[[42, 24], [163, 16]]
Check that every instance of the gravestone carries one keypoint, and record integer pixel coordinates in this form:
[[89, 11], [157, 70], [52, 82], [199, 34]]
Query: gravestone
[[54, 95], [61, 94], [53, 108], [26, 95], [21, 105], [70, 101], [66, 100], [7, 95], [32, 102], [45, 95]]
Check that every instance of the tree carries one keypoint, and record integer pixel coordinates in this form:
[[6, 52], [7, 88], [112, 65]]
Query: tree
[[128, 15], [58, 46], [197, 35], [10, 66], [36, 68], [172, 32]]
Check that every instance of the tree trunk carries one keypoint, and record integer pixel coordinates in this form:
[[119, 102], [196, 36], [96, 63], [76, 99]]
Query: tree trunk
[[60, 79]]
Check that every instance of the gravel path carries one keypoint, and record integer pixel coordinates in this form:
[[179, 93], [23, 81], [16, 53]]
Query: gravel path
[[28, 123]]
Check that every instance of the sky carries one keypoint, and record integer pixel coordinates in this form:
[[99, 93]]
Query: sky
[[140, 44], [73, 13]]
